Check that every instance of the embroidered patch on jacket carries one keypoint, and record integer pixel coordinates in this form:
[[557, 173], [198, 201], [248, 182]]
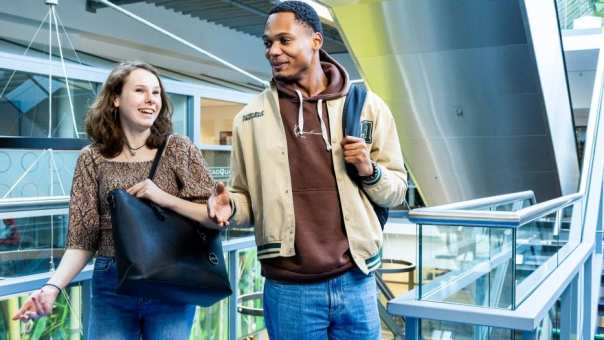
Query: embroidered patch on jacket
[[367, 131], [252, 115]]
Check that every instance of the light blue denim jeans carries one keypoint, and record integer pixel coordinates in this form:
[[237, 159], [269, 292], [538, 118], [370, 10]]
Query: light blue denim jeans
[[342, 308], [115, 316]]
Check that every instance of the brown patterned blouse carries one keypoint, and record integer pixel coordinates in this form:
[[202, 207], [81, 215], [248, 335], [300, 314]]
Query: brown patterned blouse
[[181, 172]]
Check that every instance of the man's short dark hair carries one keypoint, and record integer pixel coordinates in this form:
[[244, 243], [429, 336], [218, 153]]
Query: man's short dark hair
[[304, 13]]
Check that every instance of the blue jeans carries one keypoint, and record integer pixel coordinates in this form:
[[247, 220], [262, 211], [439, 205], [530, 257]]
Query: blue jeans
[[115, 316], [342, 308]]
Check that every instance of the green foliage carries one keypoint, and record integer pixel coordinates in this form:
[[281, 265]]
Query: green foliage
[[250, 281], [4, 322], [55, 326]]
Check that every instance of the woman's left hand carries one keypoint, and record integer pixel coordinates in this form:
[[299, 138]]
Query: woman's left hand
[[147, 189]]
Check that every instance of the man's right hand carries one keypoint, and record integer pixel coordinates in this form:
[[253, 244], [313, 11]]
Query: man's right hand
[[219, 205]]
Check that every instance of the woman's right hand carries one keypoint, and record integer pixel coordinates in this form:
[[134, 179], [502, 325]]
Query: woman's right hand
[[39, 304]]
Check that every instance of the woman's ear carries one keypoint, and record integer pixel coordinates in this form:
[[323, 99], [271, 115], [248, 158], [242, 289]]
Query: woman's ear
[[116, 102]]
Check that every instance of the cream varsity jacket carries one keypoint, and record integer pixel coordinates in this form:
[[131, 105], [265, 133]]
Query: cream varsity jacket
[[261, 185]]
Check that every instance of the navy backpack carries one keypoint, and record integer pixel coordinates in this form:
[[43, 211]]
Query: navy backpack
[[351, 120]]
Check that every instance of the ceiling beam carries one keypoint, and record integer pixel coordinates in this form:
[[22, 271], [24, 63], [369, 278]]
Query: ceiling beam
[[264, 15], [93, 5]]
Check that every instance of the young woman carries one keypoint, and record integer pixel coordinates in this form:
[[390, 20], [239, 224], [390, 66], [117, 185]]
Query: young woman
[[128, 121]]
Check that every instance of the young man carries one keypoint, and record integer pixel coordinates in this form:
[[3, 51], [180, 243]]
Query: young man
[[317, 233]]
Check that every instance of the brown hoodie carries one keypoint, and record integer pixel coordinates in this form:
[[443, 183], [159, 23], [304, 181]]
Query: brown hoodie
[[321, 244]]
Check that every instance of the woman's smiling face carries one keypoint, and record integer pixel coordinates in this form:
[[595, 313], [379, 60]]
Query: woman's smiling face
[[140, 102]]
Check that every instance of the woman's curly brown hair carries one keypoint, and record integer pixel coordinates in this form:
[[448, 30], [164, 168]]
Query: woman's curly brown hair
[[103, 124]]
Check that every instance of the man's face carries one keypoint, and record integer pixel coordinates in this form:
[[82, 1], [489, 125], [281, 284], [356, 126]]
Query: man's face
[[289, 46]]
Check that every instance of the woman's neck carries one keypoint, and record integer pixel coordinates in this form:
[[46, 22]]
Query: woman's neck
[[136, 139]]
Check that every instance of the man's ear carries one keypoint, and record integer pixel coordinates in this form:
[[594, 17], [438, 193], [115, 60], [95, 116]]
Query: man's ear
[[317, 41]]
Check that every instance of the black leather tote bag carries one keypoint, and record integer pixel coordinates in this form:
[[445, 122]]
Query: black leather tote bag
[[161, 254]]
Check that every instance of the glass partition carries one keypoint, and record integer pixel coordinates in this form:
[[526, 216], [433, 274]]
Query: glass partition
[[24, 103], [536, 254], [31, 245], [564, 242], [466, 265], [497, 265], [438, 330]]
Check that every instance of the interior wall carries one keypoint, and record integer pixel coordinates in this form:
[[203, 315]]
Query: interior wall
[[216, 118]]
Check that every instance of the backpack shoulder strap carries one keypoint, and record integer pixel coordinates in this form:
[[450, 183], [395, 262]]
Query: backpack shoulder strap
[[351, 116], [351, 119]]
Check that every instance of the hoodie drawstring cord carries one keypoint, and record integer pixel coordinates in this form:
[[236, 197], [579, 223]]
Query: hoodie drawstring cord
[[299, 129], [323, 128]]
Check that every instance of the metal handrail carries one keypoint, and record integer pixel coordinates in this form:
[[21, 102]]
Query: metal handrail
[[534, 212], [470, 218], [28, 283], [33, 203], [504, 219], [485, 201]]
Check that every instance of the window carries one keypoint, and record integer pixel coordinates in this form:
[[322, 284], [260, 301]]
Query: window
[[25, 100], [182, 109], [217, 121]]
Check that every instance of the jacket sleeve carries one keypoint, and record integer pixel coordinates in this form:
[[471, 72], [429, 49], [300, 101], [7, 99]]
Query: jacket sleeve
[[389, 186], [239, 190]]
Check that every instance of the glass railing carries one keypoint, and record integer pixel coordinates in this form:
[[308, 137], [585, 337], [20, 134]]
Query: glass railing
[[32, 235], [32, 240], [491, 252], [434, 329]]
